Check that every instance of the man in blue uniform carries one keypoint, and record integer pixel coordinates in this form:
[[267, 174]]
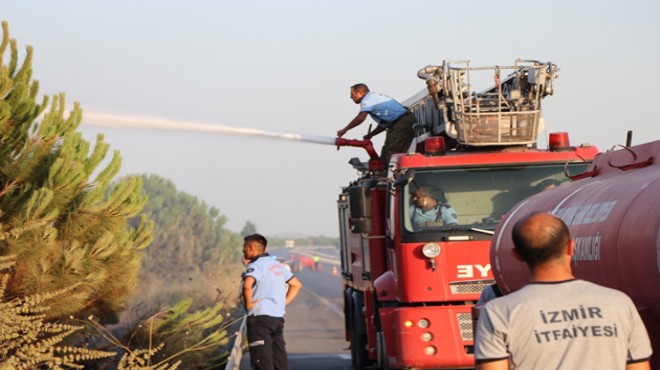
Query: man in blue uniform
[[265, 295], [389, 114], [430, 205]]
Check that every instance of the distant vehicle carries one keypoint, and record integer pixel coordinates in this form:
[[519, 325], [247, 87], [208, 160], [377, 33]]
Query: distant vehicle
[[289, 243], [299, 263]]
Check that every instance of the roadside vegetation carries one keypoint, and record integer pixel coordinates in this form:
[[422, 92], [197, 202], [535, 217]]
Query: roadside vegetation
[[73, 239], [96, 271]]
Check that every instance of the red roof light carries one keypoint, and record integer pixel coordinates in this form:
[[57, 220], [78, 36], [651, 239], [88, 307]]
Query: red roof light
[[435, 145], [559, 141]]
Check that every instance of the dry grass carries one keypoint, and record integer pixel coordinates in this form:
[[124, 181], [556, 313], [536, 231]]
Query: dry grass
[[27, 341]]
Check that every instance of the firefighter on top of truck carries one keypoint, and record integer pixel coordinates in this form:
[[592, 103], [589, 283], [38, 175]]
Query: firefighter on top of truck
[[389, 114]]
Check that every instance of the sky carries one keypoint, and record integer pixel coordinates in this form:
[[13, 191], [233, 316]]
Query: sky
[[286, 67]]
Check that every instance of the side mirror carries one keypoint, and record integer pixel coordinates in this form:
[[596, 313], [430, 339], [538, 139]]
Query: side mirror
[[361, 225], [403, 179], [358, 200]]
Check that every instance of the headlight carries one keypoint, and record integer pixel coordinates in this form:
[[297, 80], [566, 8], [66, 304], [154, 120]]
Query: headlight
[[431, 250], [427, 337], [430, 350], [423, 323]]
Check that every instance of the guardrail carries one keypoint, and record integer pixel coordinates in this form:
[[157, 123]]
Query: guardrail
[[234, 361]]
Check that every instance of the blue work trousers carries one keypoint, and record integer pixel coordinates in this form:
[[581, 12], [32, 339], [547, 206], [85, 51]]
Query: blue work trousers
[[266, 343]]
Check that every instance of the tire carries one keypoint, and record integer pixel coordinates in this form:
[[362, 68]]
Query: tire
[[348, 311], [359, 355], [382, 359], [382, 351]]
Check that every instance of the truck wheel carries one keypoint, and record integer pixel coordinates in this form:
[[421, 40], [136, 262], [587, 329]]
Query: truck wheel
[[381, 351], [359, 356], [382, 359], [348, 311]]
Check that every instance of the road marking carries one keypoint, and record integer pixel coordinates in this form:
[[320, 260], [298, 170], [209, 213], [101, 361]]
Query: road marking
[[339, 356], [325, 301]]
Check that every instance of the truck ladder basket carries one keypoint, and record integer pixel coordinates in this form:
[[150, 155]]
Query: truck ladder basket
[[509, 112]]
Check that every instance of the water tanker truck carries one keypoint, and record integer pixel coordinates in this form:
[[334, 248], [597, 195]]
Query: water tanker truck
[[613, 214]]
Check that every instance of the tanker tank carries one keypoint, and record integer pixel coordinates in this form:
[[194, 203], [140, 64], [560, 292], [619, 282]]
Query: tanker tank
[[613, 214]]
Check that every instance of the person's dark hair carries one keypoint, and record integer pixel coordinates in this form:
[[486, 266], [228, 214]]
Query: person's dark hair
[[439, 195], [540, 241], [360, 87], [436, 193], [258, 238]]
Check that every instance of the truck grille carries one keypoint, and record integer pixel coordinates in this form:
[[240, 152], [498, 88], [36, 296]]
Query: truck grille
[[467, 287], [465, 325]]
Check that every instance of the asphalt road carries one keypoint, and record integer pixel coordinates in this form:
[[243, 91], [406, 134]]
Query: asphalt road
[[314, 323]]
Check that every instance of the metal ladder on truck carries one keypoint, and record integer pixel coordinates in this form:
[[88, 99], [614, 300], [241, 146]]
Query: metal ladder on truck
[[507, 113]]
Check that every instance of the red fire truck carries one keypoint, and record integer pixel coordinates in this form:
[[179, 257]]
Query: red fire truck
[[409, 286]]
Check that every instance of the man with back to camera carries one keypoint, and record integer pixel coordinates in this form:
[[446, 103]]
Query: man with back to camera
[[265, 295], [557, 321], [389, 114]]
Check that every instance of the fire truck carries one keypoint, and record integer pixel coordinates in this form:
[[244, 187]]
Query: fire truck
[[613, 215], [409, 286]]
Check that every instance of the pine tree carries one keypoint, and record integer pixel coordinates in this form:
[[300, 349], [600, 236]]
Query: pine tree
[[248, 229], [78, 226], [192, 254]]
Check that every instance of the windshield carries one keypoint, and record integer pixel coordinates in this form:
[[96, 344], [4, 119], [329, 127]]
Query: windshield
[[472, 199]]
